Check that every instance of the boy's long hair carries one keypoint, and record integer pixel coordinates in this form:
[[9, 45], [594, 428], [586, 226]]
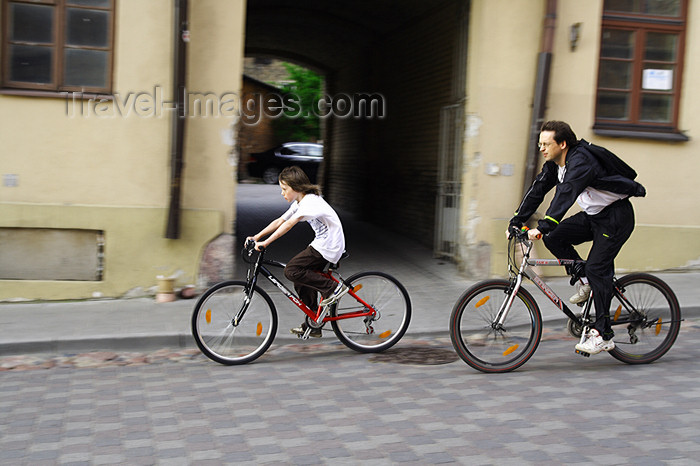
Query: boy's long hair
[[295, 178]]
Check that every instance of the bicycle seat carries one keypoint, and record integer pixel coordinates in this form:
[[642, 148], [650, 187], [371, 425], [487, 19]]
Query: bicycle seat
[[337, 264]]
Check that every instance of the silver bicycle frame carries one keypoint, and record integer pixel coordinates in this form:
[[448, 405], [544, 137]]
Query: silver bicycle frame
[[526, 271]]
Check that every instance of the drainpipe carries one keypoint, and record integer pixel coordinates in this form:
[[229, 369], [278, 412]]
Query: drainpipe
[[544, 61], [177, 132]]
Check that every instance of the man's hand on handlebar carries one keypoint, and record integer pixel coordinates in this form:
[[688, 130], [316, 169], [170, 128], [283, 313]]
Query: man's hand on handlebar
[[534, 234], [513, 231], [523, 233]]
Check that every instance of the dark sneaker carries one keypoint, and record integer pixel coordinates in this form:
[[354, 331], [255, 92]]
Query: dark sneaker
[[315, 332], [339, 292]]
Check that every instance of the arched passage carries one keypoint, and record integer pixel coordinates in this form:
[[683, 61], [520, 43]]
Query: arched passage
[[390, 169]]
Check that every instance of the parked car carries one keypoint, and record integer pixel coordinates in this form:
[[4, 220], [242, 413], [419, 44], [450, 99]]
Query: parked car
[[268, 165]]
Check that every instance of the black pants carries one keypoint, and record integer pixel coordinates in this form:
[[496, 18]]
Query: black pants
[[303, 269], [608, 230]]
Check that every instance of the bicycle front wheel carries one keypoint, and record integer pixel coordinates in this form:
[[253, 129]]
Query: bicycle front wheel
[[646, 318], [487, 344], [372, 334], [229, 332]]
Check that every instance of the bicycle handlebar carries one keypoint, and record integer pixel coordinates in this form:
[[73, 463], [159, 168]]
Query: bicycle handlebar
[[248, 250], [520, 233]]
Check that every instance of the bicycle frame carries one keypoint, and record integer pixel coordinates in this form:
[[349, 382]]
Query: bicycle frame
[[320, 316], [525, 270]]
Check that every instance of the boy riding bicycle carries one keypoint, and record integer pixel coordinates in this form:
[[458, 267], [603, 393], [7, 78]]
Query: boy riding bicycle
[[601, 184], [327, 246]]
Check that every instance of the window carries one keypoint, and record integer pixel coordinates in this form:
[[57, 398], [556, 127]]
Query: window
[[57, 45], [640, 69]]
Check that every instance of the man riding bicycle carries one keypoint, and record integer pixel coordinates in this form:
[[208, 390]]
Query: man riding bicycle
[[601, 184]]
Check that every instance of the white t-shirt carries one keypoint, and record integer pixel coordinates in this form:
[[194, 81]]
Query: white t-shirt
[[591, 200], [329, 240]]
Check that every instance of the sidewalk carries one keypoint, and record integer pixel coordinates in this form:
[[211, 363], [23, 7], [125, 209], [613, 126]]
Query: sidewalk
[[142, 324], [434, 286]]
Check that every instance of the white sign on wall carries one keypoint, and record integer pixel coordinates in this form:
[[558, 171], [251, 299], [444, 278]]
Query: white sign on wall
[[657, 80]]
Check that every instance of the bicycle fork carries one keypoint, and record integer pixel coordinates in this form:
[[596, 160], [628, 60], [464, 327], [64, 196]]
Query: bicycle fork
[[500, 320], [251, 280]]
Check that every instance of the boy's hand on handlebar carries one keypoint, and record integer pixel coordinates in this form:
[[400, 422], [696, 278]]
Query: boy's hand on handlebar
[[252, 243]]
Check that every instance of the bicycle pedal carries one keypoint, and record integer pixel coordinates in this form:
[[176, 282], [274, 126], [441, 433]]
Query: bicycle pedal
[[583, 353]]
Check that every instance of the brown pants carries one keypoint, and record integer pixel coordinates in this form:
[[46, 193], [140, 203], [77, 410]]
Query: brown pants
[[303, 269]]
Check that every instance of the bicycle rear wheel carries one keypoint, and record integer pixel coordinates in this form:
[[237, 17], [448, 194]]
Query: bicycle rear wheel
[[485, 344], [650, 315], [388, 298], [219, 337]]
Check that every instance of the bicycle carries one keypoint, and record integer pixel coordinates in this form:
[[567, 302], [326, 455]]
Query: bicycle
[[496, 325], [235, 322]]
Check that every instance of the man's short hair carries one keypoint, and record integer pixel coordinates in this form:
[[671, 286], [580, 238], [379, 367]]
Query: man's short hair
[[562, 132]]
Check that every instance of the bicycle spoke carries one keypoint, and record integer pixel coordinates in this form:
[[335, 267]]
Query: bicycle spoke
[[646, 319], [213, 329], [485, 344]]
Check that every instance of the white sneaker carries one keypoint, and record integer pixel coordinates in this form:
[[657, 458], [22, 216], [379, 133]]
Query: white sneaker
[[339, 292], [594, 344], [581, 295], [299, 331]]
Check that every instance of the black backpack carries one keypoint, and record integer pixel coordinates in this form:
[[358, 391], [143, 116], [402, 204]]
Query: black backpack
[[610, 162]]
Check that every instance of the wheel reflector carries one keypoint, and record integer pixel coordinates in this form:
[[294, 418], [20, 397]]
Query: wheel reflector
[[658, 326], [385, 334], [617, 313], [208, 316], [510, 350], [259, 329], [482, 301], [357, 288]]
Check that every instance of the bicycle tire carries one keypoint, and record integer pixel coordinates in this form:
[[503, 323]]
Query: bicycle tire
[[393, 305], [477, 338], [651, 333], [213, 329]]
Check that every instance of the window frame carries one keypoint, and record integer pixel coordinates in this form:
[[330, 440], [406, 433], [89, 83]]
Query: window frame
[[641, 25], [59, 46]]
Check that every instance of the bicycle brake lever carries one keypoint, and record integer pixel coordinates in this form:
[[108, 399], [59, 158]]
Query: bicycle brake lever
[[513, 232]]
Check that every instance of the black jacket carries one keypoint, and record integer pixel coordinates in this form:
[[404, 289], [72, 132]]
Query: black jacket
[[583, 169]]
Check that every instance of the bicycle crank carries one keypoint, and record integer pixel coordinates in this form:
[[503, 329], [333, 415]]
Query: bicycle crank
[[575, 328]]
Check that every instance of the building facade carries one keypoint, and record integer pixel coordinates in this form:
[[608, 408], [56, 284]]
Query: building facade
[[104, 188], [624, 78], [89, 145]]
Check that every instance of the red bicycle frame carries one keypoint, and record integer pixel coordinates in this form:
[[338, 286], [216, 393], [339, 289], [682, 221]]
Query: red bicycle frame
[[260, 268]]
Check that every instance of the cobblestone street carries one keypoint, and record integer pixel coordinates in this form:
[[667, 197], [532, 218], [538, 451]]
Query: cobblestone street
[[324, 404], [148, 397]]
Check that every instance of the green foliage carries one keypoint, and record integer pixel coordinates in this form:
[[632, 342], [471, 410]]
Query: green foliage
[[300, 122]]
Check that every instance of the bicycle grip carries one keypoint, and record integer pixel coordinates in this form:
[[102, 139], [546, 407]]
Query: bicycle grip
[[525, 229]]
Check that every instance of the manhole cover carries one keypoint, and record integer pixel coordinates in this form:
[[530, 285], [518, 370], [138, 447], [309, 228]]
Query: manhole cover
[[413, 355]]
